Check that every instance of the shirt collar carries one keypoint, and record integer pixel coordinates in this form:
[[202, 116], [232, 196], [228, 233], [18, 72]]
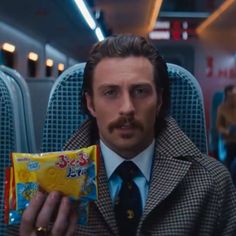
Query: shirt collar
[[143, 160]]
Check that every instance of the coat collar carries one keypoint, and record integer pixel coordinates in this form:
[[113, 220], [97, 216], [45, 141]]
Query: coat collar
[[104, 202], [172, 160], [173, 157], [167, 173]]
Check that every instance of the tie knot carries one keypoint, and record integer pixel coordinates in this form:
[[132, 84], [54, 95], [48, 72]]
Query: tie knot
[[127, 170]]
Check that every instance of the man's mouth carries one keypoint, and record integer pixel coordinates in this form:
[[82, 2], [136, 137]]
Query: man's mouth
[[125, 124]]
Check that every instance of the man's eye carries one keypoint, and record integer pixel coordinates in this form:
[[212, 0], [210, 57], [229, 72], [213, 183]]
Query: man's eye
[[141, 91], [110, 93]]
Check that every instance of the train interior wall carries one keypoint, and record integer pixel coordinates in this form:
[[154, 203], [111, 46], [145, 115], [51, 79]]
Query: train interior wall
[[213, 66], [25, 44]]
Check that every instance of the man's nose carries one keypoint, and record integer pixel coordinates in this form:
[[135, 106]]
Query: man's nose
[[126, 105]]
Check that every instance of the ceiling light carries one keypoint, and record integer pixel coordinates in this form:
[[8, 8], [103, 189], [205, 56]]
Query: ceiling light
[[33, 56], [154, 14], [8, 47], [86, 14], [99, 34], [49, 62], [225, 5], [60, 67]]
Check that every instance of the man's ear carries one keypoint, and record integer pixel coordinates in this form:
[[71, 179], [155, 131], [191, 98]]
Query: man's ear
[[90, 105]]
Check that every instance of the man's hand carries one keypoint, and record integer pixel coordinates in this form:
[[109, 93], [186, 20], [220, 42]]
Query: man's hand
[[51, 212]]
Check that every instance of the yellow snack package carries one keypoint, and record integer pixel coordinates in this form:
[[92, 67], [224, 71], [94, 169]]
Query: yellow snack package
[[72, 173]]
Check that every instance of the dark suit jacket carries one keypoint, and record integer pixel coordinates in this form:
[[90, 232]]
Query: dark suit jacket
[[190, 193]]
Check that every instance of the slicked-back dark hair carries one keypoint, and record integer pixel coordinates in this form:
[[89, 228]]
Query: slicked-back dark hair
[[123, 46]]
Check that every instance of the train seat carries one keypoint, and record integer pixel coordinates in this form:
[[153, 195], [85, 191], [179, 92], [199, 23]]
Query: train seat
[[11, 133], [39, 91], [64, 114], [187, 105], [27, 131]]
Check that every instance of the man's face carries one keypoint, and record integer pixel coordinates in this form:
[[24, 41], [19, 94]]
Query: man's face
[[234, 96], [125, 103], [231, 96]]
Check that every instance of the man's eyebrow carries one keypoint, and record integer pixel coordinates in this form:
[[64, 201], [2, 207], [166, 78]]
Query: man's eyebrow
[[102, 86], [106, 86], [141, 84]]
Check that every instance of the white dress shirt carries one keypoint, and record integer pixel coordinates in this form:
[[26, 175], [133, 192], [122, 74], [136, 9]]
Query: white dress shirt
[[143, 161]]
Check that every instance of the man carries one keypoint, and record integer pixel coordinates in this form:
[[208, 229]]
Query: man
[[178, 190], [226, 125]]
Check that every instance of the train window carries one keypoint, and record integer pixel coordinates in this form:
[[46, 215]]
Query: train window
[[8, 54], [60, 68], [32, 64], [49, 67]]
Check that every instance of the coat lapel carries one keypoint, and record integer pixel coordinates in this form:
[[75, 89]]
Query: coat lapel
[[104, 203], [82, 138], [167, 174], [172, 159]]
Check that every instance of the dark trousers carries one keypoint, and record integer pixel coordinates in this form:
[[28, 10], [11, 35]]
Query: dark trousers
[[230, 153], [230, 160]]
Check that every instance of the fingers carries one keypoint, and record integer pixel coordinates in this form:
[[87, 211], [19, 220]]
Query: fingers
[[72, 223], [41, 211], [30, 214], [66, 219], [48, 209]]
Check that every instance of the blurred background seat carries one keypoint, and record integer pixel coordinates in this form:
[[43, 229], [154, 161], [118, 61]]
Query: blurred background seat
[[39, 92], [216, 144], [11, 133], [64, 113], [26, 118]]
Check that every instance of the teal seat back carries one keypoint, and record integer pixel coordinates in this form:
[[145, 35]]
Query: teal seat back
[[187, 105], [11, 110], [23, 95], [16, 128], [64, 114]]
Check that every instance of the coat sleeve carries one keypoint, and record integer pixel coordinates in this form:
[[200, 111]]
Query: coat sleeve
[[227, 207], [220, 122]]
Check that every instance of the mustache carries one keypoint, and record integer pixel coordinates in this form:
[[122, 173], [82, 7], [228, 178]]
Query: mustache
[[123, 120]]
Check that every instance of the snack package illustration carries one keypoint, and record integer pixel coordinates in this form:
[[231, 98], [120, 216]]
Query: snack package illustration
[[73, 173]]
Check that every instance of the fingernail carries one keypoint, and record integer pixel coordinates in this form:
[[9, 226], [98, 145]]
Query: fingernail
[[41, 189], [66, 200], [55, 195], [40, 195]]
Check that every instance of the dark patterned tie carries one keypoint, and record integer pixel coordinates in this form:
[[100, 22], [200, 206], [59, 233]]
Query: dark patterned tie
[[128, 205]]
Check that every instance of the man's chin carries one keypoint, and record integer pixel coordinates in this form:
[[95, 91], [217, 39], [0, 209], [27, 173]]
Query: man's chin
[[126, 133], [127, 143], [127, 150]]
